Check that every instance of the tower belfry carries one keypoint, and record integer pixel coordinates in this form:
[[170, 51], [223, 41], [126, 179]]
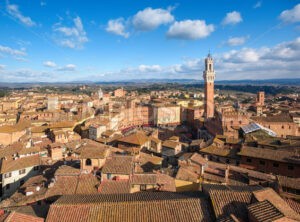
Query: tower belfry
[[209, 79]]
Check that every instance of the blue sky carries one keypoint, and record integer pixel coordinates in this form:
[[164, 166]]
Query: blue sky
[[56, 40]]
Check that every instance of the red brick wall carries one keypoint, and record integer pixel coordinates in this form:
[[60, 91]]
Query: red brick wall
[[269, 168], [209, 106]]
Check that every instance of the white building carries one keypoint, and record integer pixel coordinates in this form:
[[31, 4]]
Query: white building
[[52, 103], [15, 172]]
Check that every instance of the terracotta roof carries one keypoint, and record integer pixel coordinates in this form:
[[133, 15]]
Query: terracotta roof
[[145, 206], [87, 184], [66, 170], [64, 124], [199, 159], [19, 217], [166, 182], [270, 154], [93, 151], [11, 149], [118, 165], [230, 218], [187, 175], [114, 187], [20, 163], [22, 125], [170, 144], [264, 211], [138, 138], [31, 210], [225, 152], [289, 182], [294, 205], [83, 184], [143, 179], [270, 195], [108, 133], [227, 200]]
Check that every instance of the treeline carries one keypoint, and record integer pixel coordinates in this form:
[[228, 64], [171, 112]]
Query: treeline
[[272, 90]]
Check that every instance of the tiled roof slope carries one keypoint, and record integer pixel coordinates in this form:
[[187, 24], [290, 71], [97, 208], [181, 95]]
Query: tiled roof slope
[[270, 195], [138, 138], [160, 206], [227, 200], [20, 163], [270, 154], [118, 164], [19, 217], [114, 187], [264, 211]]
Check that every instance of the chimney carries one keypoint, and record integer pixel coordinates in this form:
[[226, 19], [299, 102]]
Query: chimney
[[227, 175]]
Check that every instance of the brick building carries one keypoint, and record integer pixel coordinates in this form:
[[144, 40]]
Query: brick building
[[278, 162], [282, 125]]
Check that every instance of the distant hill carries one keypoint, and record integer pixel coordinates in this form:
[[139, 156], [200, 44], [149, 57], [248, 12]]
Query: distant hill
[[151, 81]]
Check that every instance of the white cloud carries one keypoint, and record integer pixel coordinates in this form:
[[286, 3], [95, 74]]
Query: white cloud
[[282, 60], [27, 75], [232, 18], [243, 55], [71, 37], [149, 19], [2, 66], [117, 27], [68, 67], [13, 10], [13, 52], [236, 41], [292, 15], [49, 64], [147, 68], [257, 5], [189, 29]]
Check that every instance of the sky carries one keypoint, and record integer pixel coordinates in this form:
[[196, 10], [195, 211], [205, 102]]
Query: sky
[[79, 40]]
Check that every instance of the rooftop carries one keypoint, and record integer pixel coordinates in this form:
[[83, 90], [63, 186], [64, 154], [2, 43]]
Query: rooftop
[[154, 206]]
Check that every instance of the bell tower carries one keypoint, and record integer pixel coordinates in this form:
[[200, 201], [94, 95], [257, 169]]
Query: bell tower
[[209, 79]]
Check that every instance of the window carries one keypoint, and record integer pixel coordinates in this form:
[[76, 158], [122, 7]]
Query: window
[[282, 127], [275, 165], [36, 168], [22, 182], [249, 160], [108, 176], [261, 162], [88, 162], [237, 163], [291, 167], [143, 187], [227, 161], [7, 187], [22, 171], [7, 175]]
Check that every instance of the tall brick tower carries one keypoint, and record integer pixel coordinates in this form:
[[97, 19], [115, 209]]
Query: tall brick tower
[[260, 99], [209, 78]]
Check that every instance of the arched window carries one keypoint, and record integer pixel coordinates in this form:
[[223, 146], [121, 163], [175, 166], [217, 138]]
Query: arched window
[[88, 162], [209, 67]]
